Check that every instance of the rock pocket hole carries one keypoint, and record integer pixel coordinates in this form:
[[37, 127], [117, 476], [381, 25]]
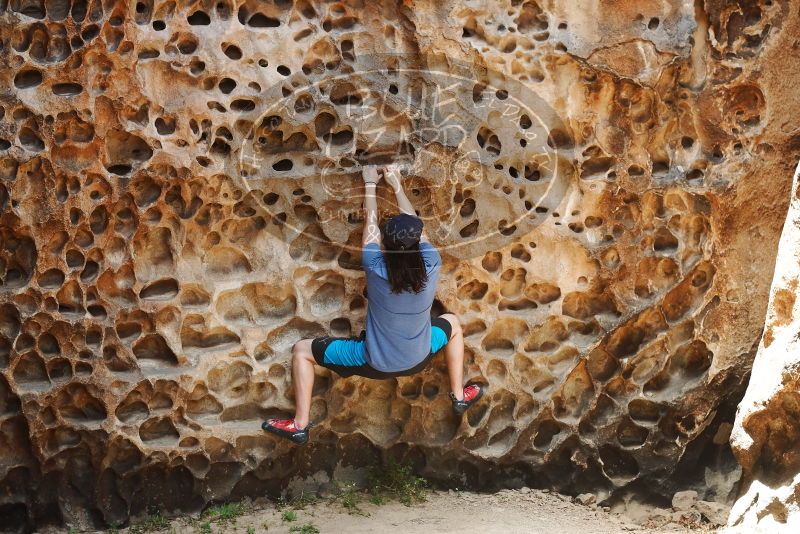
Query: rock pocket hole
[[154, 347], [67, 89], [28, 78], [160, 290]]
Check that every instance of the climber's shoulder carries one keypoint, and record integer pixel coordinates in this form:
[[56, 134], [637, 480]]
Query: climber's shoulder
[[372, 258]]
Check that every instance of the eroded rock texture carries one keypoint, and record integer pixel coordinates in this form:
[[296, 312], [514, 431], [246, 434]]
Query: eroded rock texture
[[168, 233], [767, 431]]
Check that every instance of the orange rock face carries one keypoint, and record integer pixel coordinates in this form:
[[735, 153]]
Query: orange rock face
[[180, 198]]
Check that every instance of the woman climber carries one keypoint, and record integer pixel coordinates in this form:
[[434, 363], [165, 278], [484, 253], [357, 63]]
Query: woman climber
[[400, 337]]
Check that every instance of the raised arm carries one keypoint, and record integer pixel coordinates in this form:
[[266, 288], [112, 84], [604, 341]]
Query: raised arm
[[372, 232], [392, 176]]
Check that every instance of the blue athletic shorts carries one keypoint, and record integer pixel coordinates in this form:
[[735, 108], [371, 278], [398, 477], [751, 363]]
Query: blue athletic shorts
[[345, 355]]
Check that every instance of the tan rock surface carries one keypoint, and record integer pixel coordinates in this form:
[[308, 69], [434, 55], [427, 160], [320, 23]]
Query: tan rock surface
[[179, 184]]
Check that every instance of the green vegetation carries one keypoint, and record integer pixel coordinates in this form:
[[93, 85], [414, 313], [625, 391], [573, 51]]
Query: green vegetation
[[384, 483], [289, 508], [223, 513], [303, 500], [152, 522], [350, 497], [289, 515], [395, 481], [307, 528]]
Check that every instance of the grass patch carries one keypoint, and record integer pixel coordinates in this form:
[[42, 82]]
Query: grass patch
[[384, 483], [350, 497], [152, 522], [223, 513], [307, 528], [289, 515], [303, 500], [395, 481], [392, 481]]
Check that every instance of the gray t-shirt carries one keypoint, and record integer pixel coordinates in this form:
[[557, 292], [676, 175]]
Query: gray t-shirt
[[398, 332]]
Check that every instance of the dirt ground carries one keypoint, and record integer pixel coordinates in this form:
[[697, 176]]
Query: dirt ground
[[507, 512]]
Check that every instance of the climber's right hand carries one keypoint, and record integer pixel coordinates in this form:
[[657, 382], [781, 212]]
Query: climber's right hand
[[391, 173]]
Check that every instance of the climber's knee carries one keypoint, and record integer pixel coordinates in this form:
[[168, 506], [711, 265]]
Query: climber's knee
[[302, 350], [455, 324]]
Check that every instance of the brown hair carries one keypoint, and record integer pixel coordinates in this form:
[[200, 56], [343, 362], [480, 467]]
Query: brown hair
[[406, 270]]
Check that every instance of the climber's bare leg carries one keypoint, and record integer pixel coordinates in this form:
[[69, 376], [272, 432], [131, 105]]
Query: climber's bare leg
[[454, 355], [303, 379]]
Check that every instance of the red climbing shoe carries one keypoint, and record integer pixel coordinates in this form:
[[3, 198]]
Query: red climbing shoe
[[286, 428], [472, 392]]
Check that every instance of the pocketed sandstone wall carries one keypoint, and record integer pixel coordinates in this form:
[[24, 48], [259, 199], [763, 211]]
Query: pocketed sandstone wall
[[179, 184]]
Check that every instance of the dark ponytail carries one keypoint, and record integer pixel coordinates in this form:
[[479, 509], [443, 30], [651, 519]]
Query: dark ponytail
[[406, 270]]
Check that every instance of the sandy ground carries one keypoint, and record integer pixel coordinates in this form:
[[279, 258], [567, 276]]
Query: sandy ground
[[507, 512]]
